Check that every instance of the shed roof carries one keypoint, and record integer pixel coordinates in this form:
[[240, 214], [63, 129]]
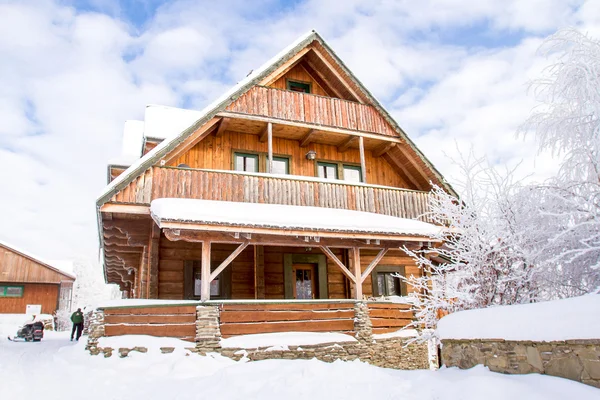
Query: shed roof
[[8, 272]]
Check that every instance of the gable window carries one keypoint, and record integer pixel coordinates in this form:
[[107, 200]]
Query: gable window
[[11, 291], [281, 165], [295, 86], [327, 170], [352, 173], [245, 162], [386, 281]]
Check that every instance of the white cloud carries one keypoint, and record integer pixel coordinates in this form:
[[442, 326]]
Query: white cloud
[[70, 79]]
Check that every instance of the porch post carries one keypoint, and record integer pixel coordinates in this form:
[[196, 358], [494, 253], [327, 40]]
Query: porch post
[[357, 274], [205, 271], [363, 164], [270, 145]]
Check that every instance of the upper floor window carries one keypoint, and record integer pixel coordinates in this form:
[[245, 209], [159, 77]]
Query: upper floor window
[[281, 165], [327, 170], [346, 172], [245, 162], [297, 86]]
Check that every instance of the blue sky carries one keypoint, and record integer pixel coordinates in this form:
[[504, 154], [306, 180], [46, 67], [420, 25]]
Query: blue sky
[[453, 73]]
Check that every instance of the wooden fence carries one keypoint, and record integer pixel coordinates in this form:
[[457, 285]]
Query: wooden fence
[[244, 319], [167, 182], [389, 317]]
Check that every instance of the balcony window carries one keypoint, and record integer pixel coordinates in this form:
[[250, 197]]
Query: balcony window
[[327, 170], [245, 162], [295, 86], [281, 165], [352, 173]]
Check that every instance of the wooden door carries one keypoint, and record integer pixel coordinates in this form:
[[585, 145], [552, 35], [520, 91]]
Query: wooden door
[[304, 283]]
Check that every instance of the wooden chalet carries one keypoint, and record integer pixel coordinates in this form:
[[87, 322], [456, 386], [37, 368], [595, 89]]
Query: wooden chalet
[[299, 134], [26, 280]]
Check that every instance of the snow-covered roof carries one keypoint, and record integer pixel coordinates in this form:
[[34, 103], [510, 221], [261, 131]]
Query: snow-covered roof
[[163, 122], [133, 138], [60, 266], [574, 318], [256, 215]]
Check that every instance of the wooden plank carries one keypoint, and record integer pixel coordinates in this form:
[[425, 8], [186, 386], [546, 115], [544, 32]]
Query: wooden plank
[[205, 271], [296, 326], [387, 322], [150, 319], [270, 147], [270, 316], [288, 306], [363, 163], [389, 313], [338, 263], [187, 330], [169, 310], [355, 254], [228, 261], [384, 148], [305, 141], [346, 144]]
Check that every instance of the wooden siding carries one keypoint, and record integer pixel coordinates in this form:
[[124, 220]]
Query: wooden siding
[[310, 108], [299, 74], [217, 153], [389, 317], [160, 182], [39, 293], [171, 321], [245, 319], [18, 267]]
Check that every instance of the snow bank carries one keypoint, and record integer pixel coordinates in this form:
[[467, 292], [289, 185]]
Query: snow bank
[[401, 333], [286, 217], [575, 318], [150, 342], [281, 340]]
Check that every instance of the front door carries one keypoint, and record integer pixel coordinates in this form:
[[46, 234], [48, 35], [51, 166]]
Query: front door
[[304, 281]]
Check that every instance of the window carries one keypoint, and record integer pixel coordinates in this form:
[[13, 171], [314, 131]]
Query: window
[[215, 287], [281, 165], [11, 291], [245, 162], [327, 170], [220, 287], [296, 86], [352, 173], [386, 281]]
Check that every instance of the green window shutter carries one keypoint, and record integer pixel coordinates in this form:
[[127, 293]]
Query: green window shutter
[[322, 272], [288, 277]]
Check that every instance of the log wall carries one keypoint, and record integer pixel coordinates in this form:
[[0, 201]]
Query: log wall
[[392, 258], [299, 74]]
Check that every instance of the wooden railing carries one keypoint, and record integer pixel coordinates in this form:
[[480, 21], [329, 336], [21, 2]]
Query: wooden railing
[[309, 108], [168, 182]]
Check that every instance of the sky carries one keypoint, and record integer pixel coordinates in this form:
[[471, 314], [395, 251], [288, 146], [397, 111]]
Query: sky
[[453, 73]]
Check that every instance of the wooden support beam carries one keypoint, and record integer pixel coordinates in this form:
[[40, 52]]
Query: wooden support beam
[[384, 148], [373, 264], [259, 272], [305, 141], [320, 78], [205, 272], [228, 261], [414, 163], [355, 254], [337, 262], [270, 148], [124, 209], [346, 144], [222, 127], [363, 163], [154, 258], [338, 76], [263, 135]]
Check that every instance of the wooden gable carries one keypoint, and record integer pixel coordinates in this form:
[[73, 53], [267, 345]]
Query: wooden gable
[[17, 267]]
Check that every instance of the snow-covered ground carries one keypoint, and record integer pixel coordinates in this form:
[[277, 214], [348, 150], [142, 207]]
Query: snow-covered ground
[[574, 318], [57, 369]]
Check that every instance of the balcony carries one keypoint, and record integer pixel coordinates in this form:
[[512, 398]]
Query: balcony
[[311, 109], [169, 182]]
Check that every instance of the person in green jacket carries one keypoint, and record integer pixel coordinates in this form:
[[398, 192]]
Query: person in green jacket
[[77, 319]]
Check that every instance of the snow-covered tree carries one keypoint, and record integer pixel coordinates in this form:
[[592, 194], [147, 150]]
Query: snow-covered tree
[[567, 122]]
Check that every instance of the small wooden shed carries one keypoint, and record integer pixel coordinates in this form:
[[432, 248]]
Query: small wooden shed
[[26, 280]]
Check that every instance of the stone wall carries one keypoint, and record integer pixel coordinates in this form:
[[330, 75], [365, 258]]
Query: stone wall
[[578, 360], [388, 352]]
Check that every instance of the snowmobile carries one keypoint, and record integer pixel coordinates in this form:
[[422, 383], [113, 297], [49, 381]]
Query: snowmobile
[[30, 332]]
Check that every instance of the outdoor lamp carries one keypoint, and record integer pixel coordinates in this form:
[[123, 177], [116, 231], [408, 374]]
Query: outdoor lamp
[[311, 155]]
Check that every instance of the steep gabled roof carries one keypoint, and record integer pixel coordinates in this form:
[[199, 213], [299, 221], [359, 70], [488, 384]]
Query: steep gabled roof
[[36, 260], [231, 95]]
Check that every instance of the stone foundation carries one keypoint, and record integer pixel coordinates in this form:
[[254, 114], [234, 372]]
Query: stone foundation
[[578, 360], [95, 331], [208, 333]]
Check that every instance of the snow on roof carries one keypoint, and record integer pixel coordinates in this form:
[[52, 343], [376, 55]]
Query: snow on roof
[[163, 122], [58, 267], [133, 138], [285, 217], [212, 108], [574, 318]]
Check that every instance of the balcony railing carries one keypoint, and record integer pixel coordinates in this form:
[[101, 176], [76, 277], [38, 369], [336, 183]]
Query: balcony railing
[[169, 182], [309, 108]]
